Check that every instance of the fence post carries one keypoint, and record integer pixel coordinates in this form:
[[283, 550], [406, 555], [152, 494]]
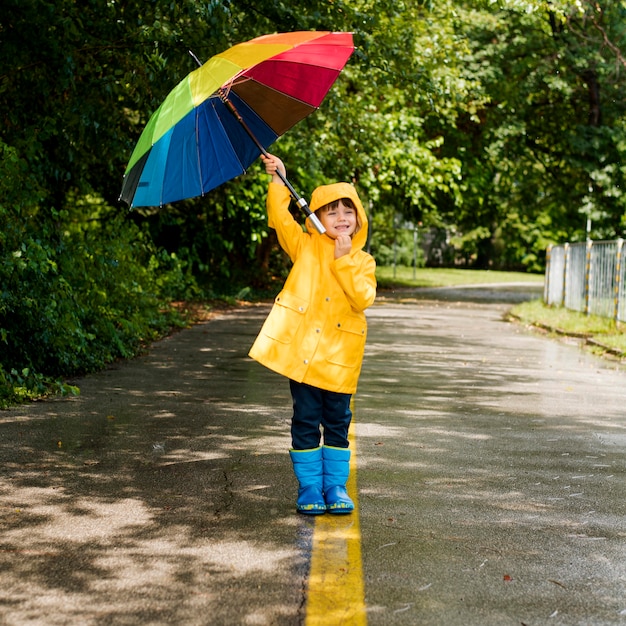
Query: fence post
[[546, 282], [588, 278], [565, 271], [618, 273]]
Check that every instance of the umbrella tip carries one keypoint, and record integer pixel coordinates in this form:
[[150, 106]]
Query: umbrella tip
[[195, 58]]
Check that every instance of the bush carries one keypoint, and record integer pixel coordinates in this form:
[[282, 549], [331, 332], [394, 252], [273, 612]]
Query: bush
[[75, 294]]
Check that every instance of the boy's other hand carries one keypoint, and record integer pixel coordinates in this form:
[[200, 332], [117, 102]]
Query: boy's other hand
[[343, 245]]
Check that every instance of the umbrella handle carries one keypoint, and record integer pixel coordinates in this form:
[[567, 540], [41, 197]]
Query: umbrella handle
[[301, 202]]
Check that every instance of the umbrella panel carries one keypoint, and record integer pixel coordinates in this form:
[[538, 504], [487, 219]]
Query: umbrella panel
[[280, 112], [131, 180], [179, 167], [233, 152], [148, 191], [330, 54], [306, 83]]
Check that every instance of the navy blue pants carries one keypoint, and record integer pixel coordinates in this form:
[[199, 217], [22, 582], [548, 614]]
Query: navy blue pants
[[313, 407]]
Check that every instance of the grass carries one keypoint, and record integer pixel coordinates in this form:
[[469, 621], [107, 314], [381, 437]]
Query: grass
[[602, 333], [571, 322], [443, 277]]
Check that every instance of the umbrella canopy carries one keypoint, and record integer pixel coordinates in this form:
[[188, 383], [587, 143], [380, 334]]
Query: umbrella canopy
[[194, 142]]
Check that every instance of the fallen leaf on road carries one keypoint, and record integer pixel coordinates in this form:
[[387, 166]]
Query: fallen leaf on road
[[556, 582]]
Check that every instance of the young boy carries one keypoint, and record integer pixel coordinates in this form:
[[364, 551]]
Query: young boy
[[315, 333]]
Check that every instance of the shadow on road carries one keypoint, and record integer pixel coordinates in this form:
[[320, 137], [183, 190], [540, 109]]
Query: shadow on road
[[162, 495]]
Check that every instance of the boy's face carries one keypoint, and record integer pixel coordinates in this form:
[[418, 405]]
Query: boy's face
[[339, 221]]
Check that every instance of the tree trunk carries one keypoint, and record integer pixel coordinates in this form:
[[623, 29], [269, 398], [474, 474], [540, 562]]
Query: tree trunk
[[595, 112]]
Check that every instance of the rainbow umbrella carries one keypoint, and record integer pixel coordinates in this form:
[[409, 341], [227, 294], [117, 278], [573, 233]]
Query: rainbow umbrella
[[216, 122]]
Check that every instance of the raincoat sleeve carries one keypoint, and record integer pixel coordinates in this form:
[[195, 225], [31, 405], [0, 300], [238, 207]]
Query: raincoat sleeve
[[289, 232], [356, 273]]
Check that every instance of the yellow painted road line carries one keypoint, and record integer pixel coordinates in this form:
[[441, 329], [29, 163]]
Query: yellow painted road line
[[335, 594]]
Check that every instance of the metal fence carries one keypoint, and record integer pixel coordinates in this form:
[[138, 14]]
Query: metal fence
[[587, 277]]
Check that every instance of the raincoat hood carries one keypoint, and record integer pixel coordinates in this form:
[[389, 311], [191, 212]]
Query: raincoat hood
[[329, 193]]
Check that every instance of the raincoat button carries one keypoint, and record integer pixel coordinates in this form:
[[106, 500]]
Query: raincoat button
[[306, 361], [317, 330], [300, 309], [327, 299], [338, 325]]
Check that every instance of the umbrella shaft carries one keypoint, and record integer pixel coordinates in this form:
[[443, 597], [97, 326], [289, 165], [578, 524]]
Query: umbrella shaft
[[301, 202]]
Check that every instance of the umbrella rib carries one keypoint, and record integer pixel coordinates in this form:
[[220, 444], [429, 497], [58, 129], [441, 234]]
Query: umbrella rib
[[198, 156]]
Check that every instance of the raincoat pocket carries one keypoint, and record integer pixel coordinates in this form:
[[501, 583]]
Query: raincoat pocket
[[349, 342], [285, 317]]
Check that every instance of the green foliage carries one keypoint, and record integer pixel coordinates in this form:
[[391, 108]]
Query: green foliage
[[77, 291], [543, 151], [220, 241], [395, 243]]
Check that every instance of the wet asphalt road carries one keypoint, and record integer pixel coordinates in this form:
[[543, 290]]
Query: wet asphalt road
[[491, 474]]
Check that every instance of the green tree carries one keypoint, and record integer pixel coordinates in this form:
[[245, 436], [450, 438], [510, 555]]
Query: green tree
[[543, 153]]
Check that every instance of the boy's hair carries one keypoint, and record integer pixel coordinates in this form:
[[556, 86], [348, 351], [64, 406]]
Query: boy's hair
[[347, 202]]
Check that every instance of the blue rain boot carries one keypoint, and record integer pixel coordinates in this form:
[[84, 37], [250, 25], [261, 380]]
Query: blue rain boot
[[336, 472], [307, 466]]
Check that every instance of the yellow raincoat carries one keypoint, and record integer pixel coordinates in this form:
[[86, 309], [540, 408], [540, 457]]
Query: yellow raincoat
[[316, 330]]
